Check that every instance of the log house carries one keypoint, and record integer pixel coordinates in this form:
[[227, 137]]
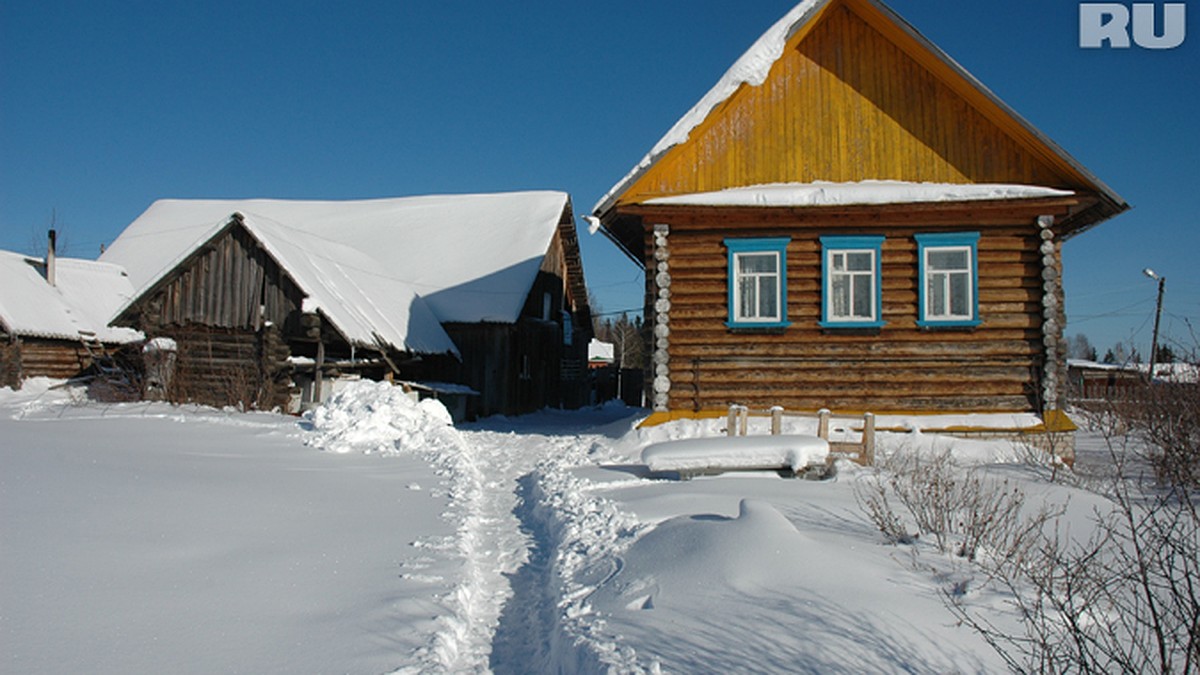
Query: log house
[[858, 224]]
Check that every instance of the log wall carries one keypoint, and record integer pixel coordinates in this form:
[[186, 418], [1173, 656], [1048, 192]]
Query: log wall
[[222, 366], [38, 357], [995, 366], [10, 364]]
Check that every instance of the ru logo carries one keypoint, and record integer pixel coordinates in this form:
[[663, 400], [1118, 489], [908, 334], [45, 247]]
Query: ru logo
[[1111, 21]]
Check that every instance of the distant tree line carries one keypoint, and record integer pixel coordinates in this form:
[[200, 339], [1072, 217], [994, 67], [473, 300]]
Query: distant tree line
[[1080, 347]]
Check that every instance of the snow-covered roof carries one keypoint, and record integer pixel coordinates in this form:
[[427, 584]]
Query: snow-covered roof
[[601, 351], [1179, 372], [753, 67], [823, 193], [393, 268], [85, 297]]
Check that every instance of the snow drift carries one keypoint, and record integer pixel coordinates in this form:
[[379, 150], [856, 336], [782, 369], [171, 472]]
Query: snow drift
[[376, 417]]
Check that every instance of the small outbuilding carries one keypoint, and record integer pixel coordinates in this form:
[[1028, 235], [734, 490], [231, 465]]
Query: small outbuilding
[[54, 315]]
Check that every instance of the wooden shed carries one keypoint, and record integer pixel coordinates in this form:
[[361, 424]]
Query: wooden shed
[[54, 313], [270, 302], [850, 220]]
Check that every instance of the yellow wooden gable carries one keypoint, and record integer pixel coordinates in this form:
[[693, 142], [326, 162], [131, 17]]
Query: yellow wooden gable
[[858, 94]]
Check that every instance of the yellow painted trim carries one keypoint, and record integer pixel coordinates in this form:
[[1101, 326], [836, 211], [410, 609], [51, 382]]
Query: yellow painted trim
[[1057, 421], [1053, 421], [658, 418]]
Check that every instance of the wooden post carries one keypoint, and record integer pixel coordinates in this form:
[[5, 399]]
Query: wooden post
[[743, 420], [823, 423], [868, 439], [731, 424], [776, 420], [316, 396]]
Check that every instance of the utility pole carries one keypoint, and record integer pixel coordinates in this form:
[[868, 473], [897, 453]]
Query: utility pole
[[1157, 318]]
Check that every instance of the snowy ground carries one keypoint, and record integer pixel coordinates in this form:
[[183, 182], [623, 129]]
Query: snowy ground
[[373, 537]]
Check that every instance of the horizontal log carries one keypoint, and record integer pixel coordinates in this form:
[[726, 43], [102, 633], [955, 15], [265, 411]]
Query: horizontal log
[[862, 349], [918, 367], [1015, 403]]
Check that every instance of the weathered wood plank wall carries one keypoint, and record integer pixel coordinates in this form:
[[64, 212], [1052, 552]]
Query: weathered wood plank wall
[[224, 285], [994, 366], [846, 103]]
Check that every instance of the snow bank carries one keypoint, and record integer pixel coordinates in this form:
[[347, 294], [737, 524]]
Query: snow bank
[[375, 417], [739, 452], [757, 551]]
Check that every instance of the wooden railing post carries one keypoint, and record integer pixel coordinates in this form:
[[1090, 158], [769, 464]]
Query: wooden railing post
[[868, 439], [743, 420], [776, 420], [731, 423], [823, 416]]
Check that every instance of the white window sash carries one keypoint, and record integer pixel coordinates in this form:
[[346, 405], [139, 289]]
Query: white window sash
[[940, 284], [748, 297], [843, 303]]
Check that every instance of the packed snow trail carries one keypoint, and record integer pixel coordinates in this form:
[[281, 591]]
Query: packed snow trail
[[493, 565], [488, 469]]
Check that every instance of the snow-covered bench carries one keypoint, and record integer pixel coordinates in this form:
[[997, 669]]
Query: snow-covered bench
[[798, 454]]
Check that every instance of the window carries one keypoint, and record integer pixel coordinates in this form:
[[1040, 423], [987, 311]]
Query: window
[[757, 282], [850, 272], [949, 279]]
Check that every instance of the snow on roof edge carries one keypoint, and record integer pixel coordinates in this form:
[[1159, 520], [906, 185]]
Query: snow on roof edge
[[752, 67], [827, 193]]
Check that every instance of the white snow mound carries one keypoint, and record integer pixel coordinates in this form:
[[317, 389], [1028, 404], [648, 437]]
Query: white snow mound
[[376, 417], [757, 551]]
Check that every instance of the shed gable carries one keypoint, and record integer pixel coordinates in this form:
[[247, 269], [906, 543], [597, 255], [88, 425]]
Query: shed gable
[[855, 96], [229, 282]]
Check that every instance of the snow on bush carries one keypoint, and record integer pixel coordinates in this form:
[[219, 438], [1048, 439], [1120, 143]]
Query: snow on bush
[[375, 417]]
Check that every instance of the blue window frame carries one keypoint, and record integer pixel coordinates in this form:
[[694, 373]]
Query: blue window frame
[[757, 282], [948, 278], [851, 292]]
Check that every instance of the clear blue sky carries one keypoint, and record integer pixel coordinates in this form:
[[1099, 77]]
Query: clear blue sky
[[108, 106]]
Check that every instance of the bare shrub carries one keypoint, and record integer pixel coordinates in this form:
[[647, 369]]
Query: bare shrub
[[1167, 416], [963, 511], [1126, 599]]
